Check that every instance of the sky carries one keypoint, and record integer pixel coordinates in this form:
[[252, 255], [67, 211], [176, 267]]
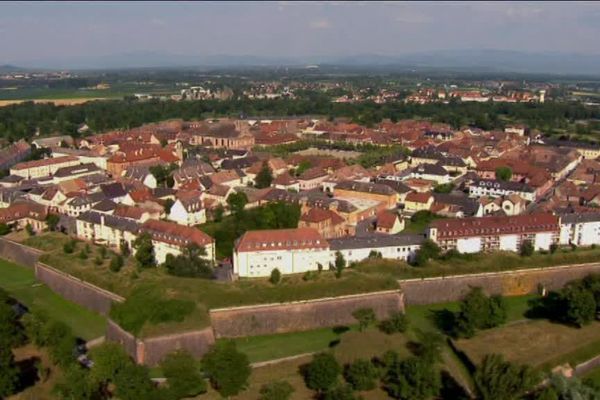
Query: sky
[[49, 30]]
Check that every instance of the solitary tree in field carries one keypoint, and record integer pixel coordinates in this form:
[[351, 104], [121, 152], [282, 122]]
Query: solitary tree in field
[[365, 317], [340, 264]]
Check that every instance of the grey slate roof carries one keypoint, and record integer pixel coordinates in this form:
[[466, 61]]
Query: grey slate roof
[[120, 223], [371, 241], [76, 169], [365, 187], [578, 218]]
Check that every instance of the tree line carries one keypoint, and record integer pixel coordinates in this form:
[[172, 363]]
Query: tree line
[[23, 120]]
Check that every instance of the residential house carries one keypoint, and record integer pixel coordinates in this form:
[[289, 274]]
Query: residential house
[[329, 223], [415, 202], [187, 209], [140, 174], [14, 153], [389, 223], [312, 178], [107, 229]]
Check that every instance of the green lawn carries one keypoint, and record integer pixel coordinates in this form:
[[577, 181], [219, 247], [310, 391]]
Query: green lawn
[[21, 284]]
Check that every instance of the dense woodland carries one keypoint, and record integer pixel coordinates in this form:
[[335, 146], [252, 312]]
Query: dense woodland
[[22, 120]]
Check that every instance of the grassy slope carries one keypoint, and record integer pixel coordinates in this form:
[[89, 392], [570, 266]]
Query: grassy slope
[[20, 283]]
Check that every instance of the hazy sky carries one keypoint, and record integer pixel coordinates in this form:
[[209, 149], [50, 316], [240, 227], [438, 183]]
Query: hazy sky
[[34, 31]]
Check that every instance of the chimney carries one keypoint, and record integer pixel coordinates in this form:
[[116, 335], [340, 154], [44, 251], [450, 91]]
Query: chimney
[[102, 219]]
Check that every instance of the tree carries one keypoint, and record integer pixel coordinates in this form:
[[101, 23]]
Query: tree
[[124, 248], [218, 213], [191, 263], [577, 305], [109, 359], [428, 250], [412, 379], [361, 375], [144, 254], [322, 372], [236, 202], [116, 263], [365, 317], [444, 188], [526, 249], [339, 263], [76, 384], [133, 383], [275, 277], [167, 205], [29, 230], [504, 174], [52, 221], [496, 379], [278, 390], [264, 178], [9, 372], [228, 370], [10, 331], [397, 322], [182, 375], [478, 311]]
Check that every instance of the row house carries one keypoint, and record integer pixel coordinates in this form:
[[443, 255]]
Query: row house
[[107, 229], [221, 135], [393, 247], [97, 157], [42, 168], [473, 235], [497, 188], [172, 238], [581, 229]]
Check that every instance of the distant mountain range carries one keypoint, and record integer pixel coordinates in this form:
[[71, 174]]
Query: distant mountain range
[[477, 60]]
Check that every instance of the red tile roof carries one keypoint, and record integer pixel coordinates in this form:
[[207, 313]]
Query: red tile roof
[[281, 239], [417, 197], [172, 233], [486, 226], [386, 219], [316, 215], [44, 162]]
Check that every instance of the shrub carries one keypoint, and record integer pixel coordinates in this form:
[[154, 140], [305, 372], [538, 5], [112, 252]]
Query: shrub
[[69, 247], [183, 376], [310, 276], [398, 322], [526, 249], [98, 260], [116, 263], [278, 390], [4, 229], [83, 255], [275, 277], [29, 230]]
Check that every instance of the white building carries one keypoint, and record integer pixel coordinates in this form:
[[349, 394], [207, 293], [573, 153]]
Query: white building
[[257, 253], [188, 210], [474, 235], [393, 247], [580, 229]]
